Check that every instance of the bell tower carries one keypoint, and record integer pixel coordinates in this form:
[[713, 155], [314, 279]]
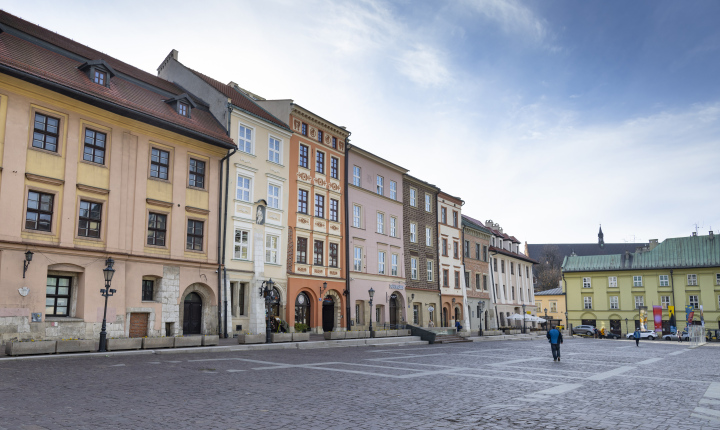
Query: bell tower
[[601, 241]]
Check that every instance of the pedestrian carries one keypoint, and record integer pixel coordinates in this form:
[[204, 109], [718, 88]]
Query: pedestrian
[[458, 327], [602, 333], [431, 324], [679, 336], [636, 335], [555, 338]]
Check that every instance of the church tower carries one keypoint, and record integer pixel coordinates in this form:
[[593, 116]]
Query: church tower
[[601, 241]]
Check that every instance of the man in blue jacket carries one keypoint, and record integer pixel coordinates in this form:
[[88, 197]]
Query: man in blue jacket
[[555, 339]]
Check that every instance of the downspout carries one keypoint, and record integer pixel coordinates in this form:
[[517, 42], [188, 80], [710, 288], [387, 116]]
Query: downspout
[[347, 237], [492, 288], [441, 307], [466, 306], [222, 232], [672, 283], [567, 319]]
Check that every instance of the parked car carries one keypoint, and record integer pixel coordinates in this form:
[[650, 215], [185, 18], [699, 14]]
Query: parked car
[[644, 334], [584, 329], [674, 336], [611, 335]]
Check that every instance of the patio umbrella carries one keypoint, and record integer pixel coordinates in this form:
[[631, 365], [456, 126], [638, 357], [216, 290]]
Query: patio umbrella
[[515, 317]]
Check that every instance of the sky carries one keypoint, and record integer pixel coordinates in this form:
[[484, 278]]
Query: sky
[[549, 118]]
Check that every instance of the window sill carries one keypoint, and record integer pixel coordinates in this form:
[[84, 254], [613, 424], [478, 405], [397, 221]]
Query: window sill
[[194, 251], [149, 301], [190, 187], [273, 264], [276, 164], [46, 151], [241, 152], [162, 247], [89, 239], [241, 259], [43, 232], [92, 163], [63, 319], [165, 181]]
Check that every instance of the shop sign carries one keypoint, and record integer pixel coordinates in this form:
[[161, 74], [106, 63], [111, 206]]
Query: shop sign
[[397, 287]]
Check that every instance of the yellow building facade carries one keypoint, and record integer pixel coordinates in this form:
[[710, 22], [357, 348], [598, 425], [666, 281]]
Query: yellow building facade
[[551, 303]]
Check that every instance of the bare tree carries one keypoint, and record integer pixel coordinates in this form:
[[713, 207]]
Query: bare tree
[[549, 270]]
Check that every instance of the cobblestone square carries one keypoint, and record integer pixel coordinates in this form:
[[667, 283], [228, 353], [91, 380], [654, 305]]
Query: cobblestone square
[[599, 384]]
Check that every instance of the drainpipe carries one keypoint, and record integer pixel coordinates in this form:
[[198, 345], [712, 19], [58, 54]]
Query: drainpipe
[[222, 233], [347, 237], [672, 283], [492, 288]]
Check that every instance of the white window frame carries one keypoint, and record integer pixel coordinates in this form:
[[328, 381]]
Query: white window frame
[[413, 197], [357, 258], [413, 268], [357, 216], [428, 236], [393, 190], [428, 207], [612, 281], [242, 245], [639, 301], [694, 303], [356, 176], [274, 200], [553, 307], [717, 279], [664, 301], [430, 274], [243, 142], [614, 303], [692, 279], [587, 302], [380, 223], [239, 189], [393, 226], [271, 251], [381, 262], [275, 155], [394, 265], [380, 182], [413, 232], [664, 280], [637, 281], [587, 283]]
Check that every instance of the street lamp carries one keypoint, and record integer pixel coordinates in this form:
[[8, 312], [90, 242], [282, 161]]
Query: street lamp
[[567, 324], [523, 306], [481, 306], [108, 273], [371, 293], [271, 298], [546, 319], [26, 263]]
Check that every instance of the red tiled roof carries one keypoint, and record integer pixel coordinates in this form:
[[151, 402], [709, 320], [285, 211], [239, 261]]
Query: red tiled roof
[[241, 100], [56, 68]]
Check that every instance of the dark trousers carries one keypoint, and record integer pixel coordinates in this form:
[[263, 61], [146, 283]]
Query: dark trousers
[[555, 347], [637, 342]]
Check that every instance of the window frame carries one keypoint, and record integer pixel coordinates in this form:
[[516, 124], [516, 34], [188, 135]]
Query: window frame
[[244, 142], [194, 235], [243, 245], [428, 236], [357, 216], [194, 175], [413, 268], [455, 219], [587, 302], [413, 197], [318, 252], [430, 269], [394, 265], [57, 296], [393, 190], [694, 303], [587, 282], [444, 247], [45, 133], [319, 162], [239, 188], [333, 254], [639, 301], [443, 215], [393, 226], [614, 304], [156, 229], [39, 211], [664, 282], [100, 77], [381, 262], [269, 249], [334, 211], [413, 232], [303, 201], [301, 251], [334, 167], [319, 206], [380, 185], [273, 201], [160, 164], [380, 218], [147, 287], [89, 220], [612, 282], [637, 281], [357, 175], [304, 156], [94, 147], [428, 203], [692, 279], [275, 153], [357, 259], [664, 301]]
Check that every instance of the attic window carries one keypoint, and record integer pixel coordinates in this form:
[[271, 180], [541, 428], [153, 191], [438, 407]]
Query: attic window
[[181, 104], [183, 109], [98, 71], [100, 77]]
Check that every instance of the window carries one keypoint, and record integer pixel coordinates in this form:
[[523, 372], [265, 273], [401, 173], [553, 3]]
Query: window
[[413, 268], [466, 249], [319, 206], [101, 77], [381, 223], [333, 255], [553, 306], [444, 248], [527, 271], [614, 302], [320, 162], [357, 259], [39, 211], [664, 281], [717, 279], [485, 249], [159, 163], [495, 264], [443, 215], [318, 253], [333, 210], [467, 280], [413, 200], [303, 129], [320, 136], [477, 251], [272, 248], [446, 277], [428, 207], [416, 314], [183, 108], [274, 150], [639, 301], [334, 142], [302, 201], [477, 281], [512, 268], [665, 301], [612, 281], [334, 167], [380, 185], [356, 176], [428, 236], [692, 279], [502, 266], [455, 219], [393, 226], [394, 265], [94, 151], [588, 302], [393, 190], [147, 290], [303, 156], [357, 309], [241, 244], [273, 196], [356, 216], [413, 234], [57, 296], [302, 250], [430, 271], [245, 138], [195, 235], [45, 133], [90, 219], [381, 262], [457, 279], [243, 188], [586, 283], [637, 281], [377, 314], [455, 249], [484, 282], [197, 173], [157, 227], [694, 302]]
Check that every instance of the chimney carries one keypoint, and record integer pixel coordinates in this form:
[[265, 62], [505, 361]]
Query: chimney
[[174, 54], [712, 235], [653, 243], [694, 233]]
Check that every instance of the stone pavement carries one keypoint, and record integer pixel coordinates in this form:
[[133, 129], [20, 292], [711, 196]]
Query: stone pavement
[[599, 384]]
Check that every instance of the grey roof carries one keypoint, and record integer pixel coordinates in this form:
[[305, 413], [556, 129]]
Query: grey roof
[[583, 249], [552, 292]]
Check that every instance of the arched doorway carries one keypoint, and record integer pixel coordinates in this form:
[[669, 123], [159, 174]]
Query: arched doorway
[[328, 313], [393, 310], [445, 318], [457, 314], [302, 309], [192, 315], [275, 308]]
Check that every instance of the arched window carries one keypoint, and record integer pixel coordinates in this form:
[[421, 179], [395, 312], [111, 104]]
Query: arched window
[[302, 309]]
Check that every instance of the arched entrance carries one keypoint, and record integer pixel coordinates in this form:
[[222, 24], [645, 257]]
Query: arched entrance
[[393, 310], [445, 318], [328, 313], [457, 314], [192, 315], [302, 309]]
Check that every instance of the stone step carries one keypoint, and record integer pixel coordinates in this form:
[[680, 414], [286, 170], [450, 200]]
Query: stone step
[[449, 338]]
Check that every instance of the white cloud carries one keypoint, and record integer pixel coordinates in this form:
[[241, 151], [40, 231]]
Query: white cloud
[[424, 66], [513, 17]]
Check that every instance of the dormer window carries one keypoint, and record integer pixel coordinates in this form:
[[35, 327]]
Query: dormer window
[[100, 77], [182, 104], [98, 71], [183, 109]]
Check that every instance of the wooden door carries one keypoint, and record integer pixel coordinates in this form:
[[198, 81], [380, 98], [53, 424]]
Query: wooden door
[[192, 318]]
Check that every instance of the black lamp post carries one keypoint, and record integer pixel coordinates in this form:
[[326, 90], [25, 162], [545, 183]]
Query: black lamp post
[[108, 273], [26, 263], [371, 293], [268, 292], [546, 320], [523, 306], [481, 306]]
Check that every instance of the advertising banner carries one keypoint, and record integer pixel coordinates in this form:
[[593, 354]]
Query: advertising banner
[[690, 313], [702, 318], [657, 316], [671, 312], [643, 318]]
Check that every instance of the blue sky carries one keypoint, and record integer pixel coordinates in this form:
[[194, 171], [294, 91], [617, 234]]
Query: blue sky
[[547, 117]]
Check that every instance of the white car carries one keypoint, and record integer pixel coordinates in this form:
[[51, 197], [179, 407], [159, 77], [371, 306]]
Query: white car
[[674, 336], [644, 334]]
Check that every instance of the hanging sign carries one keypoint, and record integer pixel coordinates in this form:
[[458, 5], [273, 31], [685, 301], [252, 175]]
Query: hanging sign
[[657, 316], [397, 287]]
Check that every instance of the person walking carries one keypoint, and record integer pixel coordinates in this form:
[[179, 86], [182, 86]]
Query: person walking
[[679, 336], [555, 338], [636, 335], [431, 324]]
